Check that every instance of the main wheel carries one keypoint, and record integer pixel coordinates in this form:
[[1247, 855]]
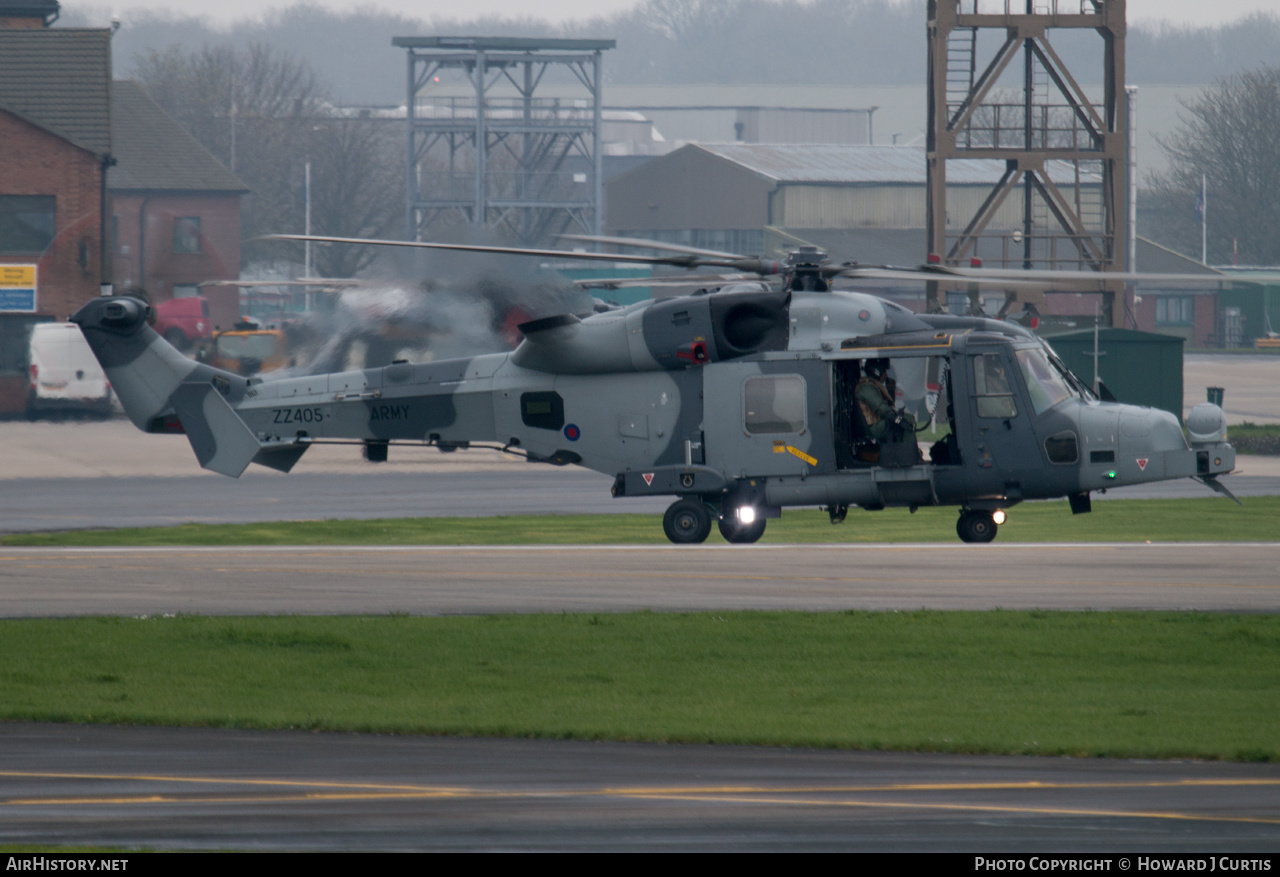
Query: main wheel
[[976, 526], [739, 533], [687, 522]]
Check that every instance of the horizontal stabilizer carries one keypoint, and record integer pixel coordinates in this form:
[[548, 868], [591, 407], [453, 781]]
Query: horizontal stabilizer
[[219, 437], [280, 457]]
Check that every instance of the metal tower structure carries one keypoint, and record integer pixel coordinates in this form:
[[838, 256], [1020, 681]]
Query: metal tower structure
[[1065, 150], [526, 166]]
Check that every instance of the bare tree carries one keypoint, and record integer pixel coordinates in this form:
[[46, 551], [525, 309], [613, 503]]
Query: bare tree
[[264, 114], [357, 188], [1230, 135]]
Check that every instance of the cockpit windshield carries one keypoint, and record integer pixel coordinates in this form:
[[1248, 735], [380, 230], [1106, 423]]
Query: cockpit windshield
[[1046, 384]]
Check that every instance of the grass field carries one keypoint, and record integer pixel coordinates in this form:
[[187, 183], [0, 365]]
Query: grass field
[[1049, 683], [1213, 518]]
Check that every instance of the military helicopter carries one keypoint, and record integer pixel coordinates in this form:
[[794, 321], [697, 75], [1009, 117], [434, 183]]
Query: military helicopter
[[737, 402]]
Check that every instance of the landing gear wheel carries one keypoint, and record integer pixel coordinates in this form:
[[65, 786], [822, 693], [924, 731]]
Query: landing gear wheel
[[687, 522], [975, 526], [739, 533]]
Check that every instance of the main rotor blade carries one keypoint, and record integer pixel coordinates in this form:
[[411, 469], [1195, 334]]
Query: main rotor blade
[[1085, 277], [305, 281], [757, 266], [916, 276], [665, 281], [648, 244], [480, 248], [1017, 278]]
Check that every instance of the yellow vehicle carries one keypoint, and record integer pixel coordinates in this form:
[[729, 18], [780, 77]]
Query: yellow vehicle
[[247, 349]]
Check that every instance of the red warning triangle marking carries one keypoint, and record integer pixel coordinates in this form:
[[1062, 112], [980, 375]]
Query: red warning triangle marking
[[648, 477], [1142, 463]]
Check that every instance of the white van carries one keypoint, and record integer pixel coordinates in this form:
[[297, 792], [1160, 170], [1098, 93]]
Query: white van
[[65, 375]]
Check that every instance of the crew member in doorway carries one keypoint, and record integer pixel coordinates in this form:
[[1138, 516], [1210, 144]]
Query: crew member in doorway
[[874, 393]]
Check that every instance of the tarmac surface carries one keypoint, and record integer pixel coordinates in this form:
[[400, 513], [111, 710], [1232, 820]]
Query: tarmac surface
[[1251, 382], [475, 580], [215, 789]]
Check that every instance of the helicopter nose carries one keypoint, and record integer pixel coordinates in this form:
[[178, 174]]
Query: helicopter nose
[[1150, 439], [1166, 431]]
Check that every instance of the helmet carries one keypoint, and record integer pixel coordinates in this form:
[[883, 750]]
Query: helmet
[[877, 367]]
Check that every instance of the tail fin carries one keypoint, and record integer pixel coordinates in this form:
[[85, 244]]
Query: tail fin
[[218, 436], [155, 384]]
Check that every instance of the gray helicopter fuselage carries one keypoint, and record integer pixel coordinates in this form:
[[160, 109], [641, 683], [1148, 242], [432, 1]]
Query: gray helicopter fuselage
[[736, 398]]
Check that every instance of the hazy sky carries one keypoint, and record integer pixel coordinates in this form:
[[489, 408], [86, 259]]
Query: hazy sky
[[1192, 12]]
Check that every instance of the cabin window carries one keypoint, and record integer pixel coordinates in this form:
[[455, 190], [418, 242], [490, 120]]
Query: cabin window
[[1062, 447], [544, 410], [774, 404], [991, 387]]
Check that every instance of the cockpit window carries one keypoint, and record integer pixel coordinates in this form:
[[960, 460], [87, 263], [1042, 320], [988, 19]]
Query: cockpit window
[[995, 396], [1045, 383]]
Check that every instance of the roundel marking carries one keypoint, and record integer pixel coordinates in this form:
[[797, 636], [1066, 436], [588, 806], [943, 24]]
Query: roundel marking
[[571, 432], [864, 315]]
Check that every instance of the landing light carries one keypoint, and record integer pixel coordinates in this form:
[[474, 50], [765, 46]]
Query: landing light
[[746, 514], [998, 516]]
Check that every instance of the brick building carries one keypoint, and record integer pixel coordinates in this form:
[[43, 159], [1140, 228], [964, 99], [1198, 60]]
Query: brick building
[[83, 160], [176, 209], [55, 141]]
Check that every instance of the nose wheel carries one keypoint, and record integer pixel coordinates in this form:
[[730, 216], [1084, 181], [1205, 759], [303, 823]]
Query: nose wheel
[[976, 526], [739, 533], [687, 522]]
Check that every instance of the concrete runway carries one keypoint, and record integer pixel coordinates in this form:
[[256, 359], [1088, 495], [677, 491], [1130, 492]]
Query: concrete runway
[[450, 580], [217, 789], [43, 504]]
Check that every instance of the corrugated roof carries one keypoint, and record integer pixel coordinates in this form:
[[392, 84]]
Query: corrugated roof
[[59, 79], [43, 9], [831, 163], [521, 44], [1153, 258], [154, 152], [884, 246]]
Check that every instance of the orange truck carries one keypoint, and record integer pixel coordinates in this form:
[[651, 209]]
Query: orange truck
[[246, 349]]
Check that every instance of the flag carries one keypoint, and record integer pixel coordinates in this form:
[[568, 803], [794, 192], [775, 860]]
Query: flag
[[1199, 212]]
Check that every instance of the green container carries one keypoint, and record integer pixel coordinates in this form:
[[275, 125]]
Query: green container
[[1140, 368]]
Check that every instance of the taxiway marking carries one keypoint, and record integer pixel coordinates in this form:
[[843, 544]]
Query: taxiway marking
[[321, 791]]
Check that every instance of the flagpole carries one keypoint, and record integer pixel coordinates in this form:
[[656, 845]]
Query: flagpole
[[1204, 224]]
